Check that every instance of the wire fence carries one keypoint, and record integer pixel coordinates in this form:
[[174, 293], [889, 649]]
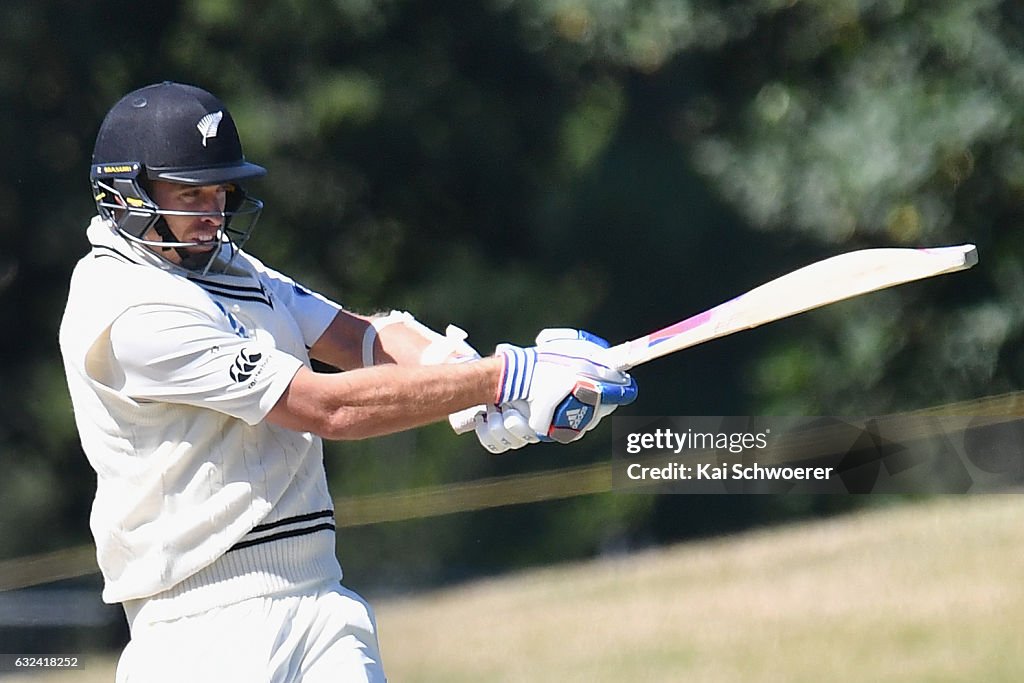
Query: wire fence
[[445, 499]]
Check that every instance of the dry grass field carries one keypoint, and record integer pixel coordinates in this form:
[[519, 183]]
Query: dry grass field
[[931, 592]]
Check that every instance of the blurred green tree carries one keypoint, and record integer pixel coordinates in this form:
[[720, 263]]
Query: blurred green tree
[[516, 164]]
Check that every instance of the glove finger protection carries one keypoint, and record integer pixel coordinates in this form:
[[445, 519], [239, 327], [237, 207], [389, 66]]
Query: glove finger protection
[[551, 335], [503, 428], [583, 346]]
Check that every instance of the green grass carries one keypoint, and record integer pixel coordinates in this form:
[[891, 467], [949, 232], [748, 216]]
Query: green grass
[[931, 592]]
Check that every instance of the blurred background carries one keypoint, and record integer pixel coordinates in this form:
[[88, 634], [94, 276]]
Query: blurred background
[[508, 165]]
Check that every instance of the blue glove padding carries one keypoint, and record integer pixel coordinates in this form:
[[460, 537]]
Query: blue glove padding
[[561, 386]]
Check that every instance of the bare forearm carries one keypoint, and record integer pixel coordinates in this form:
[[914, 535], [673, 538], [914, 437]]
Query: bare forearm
[[385, 399], [341, 343]]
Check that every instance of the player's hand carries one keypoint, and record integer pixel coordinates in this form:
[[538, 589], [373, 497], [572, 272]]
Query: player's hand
[[497, 428], [560, 385], [500, 428], [580, 342]]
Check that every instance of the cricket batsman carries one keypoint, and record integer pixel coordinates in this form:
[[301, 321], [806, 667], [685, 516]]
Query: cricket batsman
[[188, 365]]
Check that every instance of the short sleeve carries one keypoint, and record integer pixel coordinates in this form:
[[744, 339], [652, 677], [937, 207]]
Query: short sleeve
[[178, 354], [312, 312]]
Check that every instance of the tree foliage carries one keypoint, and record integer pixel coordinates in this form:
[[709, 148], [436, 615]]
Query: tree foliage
[[515, 164]]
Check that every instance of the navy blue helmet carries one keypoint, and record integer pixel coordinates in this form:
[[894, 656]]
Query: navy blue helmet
[[175, 133]]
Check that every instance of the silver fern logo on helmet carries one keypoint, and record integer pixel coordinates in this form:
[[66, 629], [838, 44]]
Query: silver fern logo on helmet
[[208, 125]]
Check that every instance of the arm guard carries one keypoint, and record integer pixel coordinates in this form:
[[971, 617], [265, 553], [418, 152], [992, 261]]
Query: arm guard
[[450, 348]]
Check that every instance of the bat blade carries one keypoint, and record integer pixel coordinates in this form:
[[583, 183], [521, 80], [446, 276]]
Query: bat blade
[[818, 284]]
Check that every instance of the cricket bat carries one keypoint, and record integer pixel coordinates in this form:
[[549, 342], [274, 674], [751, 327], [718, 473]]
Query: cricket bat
[[821, 283]]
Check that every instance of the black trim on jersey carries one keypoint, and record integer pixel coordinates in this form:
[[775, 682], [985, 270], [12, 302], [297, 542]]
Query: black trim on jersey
[[255, 293], [115, 254], [326, 526], [294, 520], [288, 533]]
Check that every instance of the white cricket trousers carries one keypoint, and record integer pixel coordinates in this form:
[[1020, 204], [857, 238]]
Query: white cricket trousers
[[326, 634]]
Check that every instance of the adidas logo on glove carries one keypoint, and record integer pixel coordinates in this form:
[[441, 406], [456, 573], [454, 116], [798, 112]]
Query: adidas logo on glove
[[577, 416]]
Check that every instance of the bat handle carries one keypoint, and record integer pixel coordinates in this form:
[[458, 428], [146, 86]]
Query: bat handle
[[465, 420], [618, 357]]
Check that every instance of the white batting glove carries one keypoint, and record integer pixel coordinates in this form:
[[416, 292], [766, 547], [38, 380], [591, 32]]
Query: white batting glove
[[572, 342], [501, 428], [561, 386]]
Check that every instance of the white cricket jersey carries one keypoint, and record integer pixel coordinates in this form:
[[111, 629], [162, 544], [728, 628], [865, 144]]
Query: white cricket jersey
[[199, 501]]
